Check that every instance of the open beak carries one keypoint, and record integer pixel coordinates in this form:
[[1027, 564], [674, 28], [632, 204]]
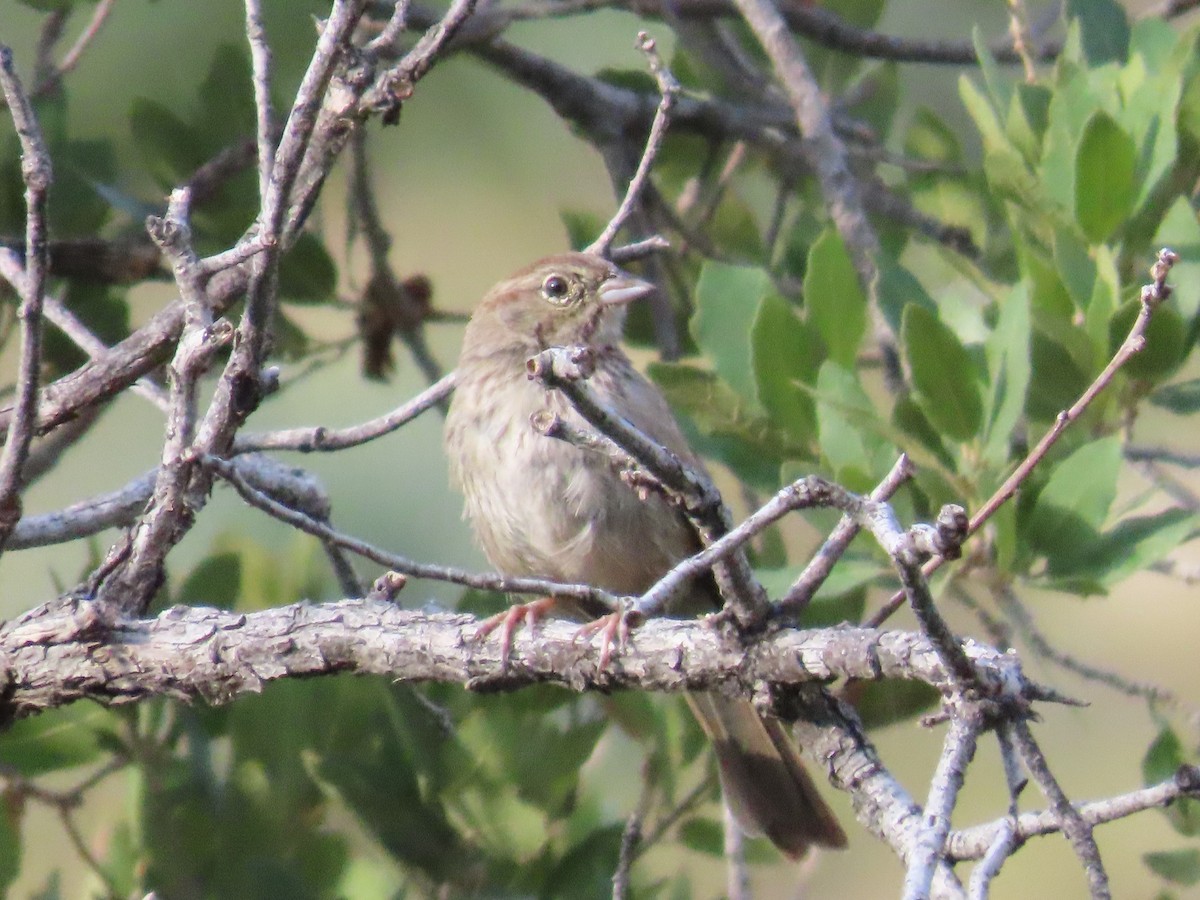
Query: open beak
[[623, 288]]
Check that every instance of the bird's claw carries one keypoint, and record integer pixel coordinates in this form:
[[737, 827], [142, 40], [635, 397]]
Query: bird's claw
[[612, 628], [509, 620]]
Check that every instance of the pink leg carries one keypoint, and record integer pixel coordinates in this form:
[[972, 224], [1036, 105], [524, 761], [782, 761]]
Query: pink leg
[[509, 620]]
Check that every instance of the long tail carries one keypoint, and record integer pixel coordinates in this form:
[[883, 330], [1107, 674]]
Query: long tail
[[765, 782]]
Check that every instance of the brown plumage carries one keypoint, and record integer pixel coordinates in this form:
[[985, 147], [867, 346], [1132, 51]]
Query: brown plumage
[[542, 507]]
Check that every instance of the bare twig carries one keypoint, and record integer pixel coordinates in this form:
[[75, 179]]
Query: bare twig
[[828, 154], [977, 842], [1076, 828], [318, 529], [958, 750], [566, 369], [800, 594], [260, 60], [49, 80], [36, 174], [1152, 295], [668, 88], [324, 440], [737, 873]]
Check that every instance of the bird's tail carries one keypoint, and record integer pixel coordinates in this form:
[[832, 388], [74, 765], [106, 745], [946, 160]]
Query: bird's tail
[[763, 776]]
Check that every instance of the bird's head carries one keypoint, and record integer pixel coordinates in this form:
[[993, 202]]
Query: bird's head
[[570, 299]]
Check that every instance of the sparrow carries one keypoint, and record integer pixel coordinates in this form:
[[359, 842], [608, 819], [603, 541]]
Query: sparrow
[[542, 507]]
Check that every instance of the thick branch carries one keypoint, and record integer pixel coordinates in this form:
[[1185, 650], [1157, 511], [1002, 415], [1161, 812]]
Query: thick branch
[[64, 652]]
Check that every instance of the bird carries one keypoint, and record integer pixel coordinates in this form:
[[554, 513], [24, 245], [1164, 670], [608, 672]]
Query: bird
[[542, 507]]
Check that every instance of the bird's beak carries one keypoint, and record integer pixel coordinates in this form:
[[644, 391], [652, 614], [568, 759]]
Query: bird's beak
[[623, 288]]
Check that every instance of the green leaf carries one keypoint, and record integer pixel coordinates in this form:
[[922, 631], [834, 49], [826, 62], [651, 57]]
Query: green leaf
[[899, 287], [1166, 341], [307, 274], [834, 299], [1075, 501], [843, 443], [784, 354], [1137, 543], [1182, 398], [1009, 368], [215, 581], [1163, 758], [169, 145], [582, 226], [703, 835], [882, 703], [727, 299], [1180, 231], [1081, 486], [59, 739], [10, 849], [720, 423], [1105, 177], [1104, 29], [943, 374], [1178, 866]]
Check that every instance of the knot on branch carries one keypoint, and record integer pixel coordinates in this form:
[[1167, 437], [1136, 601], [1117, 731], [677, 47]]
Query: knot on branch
[[555, 366]]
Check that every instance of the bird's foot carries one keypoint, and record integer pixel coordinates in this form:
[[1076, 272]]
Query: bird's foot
[[613, 629], [511, 619]]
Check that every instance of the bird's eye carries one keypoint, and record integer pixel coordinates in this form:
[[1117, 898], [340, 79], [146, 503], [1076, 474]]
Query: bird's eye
[[555, 288]]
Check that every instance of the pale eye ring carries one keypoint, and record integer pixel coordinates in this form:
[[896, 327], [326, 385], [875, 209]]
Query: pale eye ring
[[555, 288]]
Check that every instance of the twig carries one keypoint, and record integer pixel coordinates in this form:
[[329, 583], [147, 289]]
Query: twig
[[668, 88], [631, 837], [1153, 294], [976, 842], [260, 60], [828, 155], [37, 175], [1001, 848], [566, 369], [1026, 626], [66, 322], [256, 498], [800, 594], [737, 874], [50, 80], [957, 753], [325, 440], [1077, 829]]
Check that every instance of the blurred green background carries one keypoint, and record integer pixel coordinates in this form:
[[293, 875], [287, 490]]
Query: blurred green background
[[471, 186]]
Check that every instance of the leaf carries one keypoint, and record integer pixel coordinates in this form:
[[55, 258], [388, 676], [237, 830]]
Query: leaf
[[843, 443], [1138, 542], [1163, 758], [215, 581], [882, 703], [703, 835], [834, 299], [1178, 866], [1009, 368], [727, 299], [720, 423], [169, 145], [1166, 341], [784, 354], [1105, 177], [1104, 30], [59, 739], [1074, 503], [10, 848], [307, 274], [582, 226], [1182, 398], [942, 374], [1180, 231]]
